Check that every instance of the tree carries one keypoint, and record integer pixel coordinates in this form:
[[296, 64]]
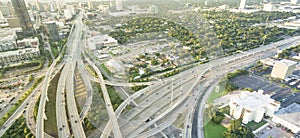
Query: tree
[[236, 130], [210, 111], [218, 117], [154, 61]]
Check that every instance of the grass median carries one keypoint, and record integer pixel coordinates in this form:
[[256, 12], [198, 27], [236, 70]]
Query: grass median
[[50, 123]]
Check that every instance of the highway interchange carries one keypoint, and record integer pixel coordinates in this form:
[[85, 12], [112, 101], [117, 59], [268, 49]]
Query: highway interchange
[[156, 107]]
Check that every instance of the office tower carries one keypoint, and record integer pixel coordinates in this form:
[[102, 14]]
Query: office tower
[[10, 8], [119, 5], [58, 5], [40, 7], [283, 68], [22, 14], [1, 15], [90, 5], [53, 31], [243, 4]]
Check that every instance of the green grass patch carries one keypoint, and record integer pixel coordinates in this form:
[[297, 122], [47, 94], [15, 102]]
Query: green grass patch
[[50, 123], [253, 125], [91, 71], [218, 92], [36, 108], [116, 100], [97, 116], [137, 88], [18, 130], [111, 53], [40, 66], [54, 52], [213, 130], [105, 69]]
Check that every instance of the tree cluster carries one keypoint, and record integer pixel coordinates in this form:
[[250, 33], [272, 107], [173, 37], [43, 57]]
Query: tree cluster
[[236, 130]]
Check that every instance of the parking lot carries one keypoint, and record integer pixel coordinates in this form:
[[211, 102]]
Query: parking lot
[[285, 95], [274, 132]]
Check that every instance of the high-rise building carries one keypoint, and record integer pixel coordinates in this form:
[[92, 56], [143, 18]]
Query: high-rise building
[[10, 8], [242, 4], [53, 31], [30, 12], [90, 5], [5, 11], [39, 6], [283, 68], [1, 15], [22, 14], [119, 5], [295, 2]]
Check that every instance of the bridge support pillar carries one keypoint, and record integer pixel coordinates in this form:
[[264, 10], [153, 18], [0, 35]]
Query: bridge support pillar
[[45, 117]]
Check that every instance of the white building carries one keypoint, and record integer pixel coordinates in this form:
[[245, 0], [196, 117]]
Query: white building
[[268, 61], [101, 41], [295, 2], [69, 11], [28, 43], [252, 106], [242, 5], [19, 55], [90, 5], [114, 66], [7, 39], [269, 7], [68, 14], [119, 5], [289, 117], [283, 68], [1, 15], [31, 15]]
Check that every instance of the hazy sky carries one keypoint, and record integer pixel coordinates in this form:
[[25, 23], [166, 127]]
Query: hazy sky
[[4, 1]]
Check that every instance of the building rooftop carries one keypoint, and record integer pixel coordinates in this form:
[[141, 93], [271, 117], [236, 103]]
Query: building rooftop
[[93, 42], [287, 62], [291, 114], [17, 52], [253, 100], [8, 31]]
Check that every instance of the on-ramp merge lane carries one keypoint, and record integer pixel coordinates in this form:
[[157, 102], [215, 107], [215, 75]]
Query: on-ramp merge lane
[[110, 111]]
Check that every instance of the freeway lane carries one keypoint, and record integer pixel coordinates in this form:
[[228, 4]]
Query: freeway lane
[[18, 112], [110, 111], [225, 60], [87, 83], [261, 53], [61, 113], [75, 120], [41, 111]]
